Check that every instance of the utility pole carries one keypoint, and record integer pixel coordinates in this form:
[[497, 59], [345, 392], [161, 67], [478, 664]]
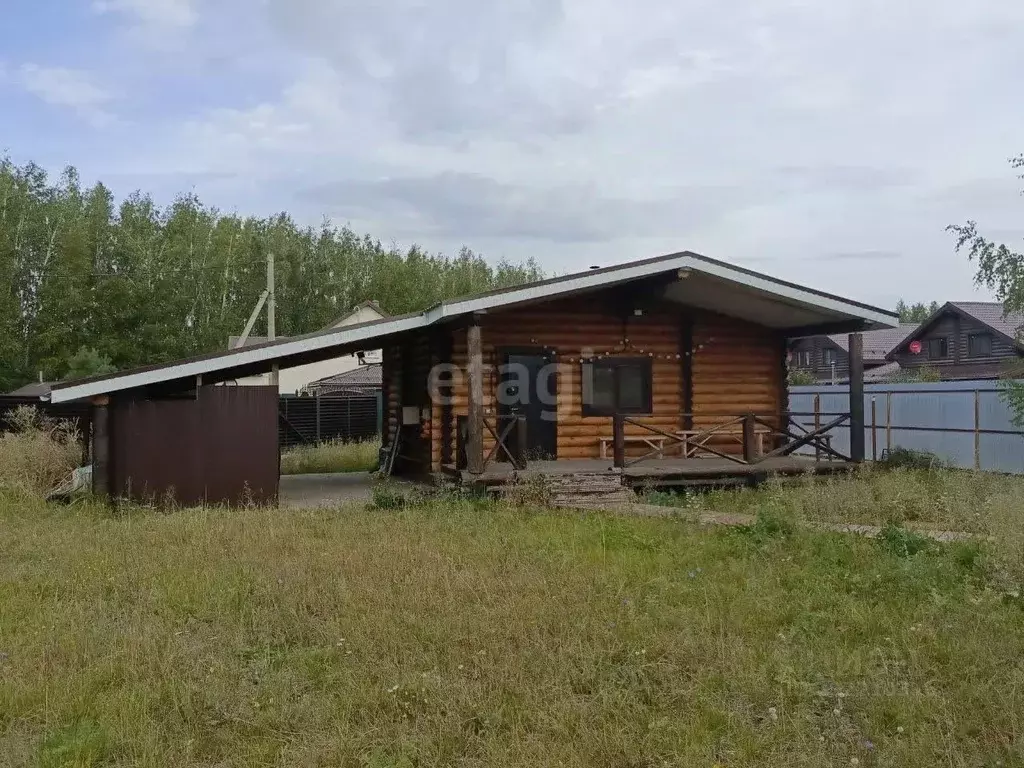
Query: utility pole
[[271, 312]]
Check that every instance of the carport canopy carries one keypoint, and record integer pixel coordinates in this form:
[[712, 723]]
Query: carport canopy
[[687, 278]]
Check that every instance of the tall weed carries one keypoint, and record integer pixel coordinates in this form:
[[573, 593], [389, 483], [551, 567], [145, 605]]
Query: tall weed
[[38, 455]]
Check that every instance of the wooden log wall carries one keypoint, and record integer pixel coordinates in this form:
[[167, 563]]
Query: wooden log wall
[[568, 328], [391, 391], [404, 378], [736, 368]]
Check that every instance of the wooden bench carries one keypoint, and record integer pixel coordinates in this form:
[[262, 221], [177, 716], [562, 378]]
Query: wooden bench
[[654, 442], [691, 448]]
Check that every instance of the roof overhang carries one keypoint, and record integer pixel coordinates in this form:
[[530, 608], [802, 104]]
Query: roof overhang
[[688, 279]]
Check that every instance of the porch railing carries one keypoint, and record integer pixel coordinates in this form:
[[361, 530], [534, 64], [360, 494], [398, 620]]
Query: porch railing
[[510, 441], [781, 428]]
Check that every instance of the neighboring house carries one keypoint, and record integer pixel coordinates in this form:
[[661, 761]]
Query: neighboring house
[[359, 382], [293, 380], [35, 389], [962, 340], [827, 358]]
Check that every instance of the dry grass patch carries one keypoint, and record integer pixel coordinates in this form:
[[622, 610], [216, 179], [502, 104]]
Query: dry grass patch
[[331, 456], [951, 500], [462, 633], [38, 454]]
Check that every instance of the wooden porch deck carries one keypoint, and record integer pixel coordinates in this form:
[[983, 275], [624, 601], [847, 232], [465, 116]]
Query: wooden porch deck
[[657, 473]]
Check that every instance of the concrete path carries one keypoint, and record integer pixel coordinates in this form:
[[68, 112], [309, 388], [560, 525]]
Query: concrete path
[[309, 491]]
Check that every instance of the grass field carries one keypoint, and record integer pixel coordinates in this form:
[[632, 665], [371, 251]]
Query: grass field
[[942, 500], [461, 633], [330, 456]]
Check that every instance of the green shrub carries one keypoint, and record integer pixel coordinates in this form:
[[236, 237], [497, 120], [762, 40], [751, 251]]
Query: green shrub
[[386, 496], [909, 458], [901, 542]]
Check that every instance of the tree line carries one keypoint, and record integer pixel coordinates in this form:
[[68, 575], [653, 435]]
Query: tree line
[[93, 284]]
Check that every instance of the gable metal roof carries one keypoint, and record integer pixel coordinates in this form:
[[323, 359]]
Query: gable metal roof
[[352, 337]]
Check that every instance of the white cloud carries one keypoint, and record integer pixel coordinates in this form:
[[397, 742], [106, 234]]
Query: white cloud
[[154, 14], [817, 137], [70, 88]]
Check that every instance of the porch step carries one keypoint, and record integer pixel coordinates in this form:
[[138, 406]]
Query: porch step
[[586, 489]]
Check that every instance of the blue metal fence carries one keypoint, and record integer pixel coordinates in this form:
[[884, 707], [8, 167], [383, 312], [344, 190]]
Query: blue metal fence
[[965, 422]]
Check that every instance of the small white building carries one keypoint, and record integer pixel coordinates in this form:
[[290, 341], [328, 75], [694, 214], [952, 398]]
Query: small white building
[[291, 381]]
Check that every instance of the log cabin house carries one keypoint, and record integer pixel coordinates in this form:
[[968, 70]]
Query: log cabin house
[[669, 370], [964, 340], [827, 357], [659, 362]]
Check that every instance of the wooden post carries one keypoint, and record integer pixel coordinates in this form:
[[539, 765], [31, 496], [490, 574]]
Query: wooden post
[[977, 429], [475, 422], [856, 347], [749, 439], [101, 446], [522, 446], [817, 423], [619, 442], [874, 430], [318, 420], [888, 422]]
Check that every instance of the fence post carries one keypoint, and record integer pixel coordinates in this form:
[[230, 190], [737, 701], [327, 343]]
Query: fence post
[[888, 422], [817, 424], [874, 430], [318, 418], [856, 350], [749, 438], [348, 418], [380, 414], [977, 429], [101, 485], [619, 441]]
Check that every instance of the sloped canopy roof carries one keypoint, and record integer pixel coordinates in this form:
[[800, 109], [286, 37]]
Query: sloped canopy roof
[[687, 278]]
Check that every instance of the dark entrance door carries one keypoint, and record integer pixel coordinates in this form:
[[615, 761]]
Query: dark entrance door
[[528, 388]]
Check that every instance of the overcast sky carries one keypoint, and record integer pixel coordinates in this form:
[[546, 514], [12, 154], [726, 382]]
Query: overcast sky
[[828, 143]]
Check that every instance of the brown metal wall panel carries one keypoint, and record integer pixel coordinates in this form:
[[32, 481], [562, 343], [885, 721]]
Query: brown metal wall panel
[[218, 448]]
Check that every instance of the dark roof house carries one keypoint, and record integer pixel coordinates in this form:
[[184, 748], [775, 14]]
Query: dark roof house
[[827, 356], [963, 340], [364, 380], [35, 389]]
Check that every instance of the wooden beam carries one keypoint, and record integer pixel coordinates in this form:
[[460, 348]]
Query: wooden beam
[[475, 422], [783, 384], [618, 441], [101, 481], [686, 362], [749, 438], [522, 444], [856, 347]]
